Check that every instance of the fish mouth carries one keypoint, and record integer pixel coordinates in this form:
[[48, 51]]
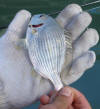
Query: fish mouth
[[35, 26]]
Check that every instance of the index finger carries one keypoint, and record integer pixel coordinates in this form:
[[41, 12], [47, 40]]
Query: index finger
[[18, 26]]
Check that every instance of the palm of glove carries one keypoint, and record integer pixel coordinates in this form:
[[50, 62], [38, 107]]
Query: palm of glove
[[20, 84]]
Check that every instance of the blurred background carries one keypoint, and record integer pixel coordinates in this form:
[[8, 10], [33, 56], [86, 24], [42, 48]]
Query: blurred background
[[89, 83]]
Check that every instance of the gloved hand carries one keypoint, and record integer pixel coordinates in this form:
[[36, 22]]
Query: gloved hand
[[20, 85], [76, 21]]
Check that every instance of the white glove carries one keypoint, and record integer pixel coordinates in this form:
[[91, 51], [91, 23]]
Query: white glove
[[20, 85], [76, 22]]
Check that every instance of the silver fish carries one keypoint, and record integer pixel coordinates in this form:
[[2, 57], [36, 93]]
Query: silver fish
[[49, 46]]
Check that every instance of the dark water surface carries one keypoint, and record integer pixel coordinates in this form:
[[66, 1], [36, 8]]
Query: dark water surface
[[89, 84]]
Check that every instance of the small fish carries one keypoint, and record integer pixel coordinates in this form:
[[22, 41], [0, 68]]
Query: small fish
[[49, 47]]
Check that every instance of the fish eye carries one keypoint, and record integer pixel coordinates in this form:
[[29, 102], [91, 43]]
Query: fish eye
[[29, 26], [41, 15]]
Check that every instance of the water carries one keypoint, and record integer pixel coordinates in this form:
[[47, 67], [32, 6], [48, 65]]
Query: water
[[89, 84]]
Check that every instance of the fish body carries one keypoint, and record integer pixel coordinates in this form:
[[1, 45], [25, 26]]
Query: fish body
[[48, 45]]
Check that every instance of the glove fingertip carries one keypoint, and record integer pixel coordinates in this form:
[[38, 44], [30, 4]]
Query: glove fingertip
[[68, 13], [17, 28], [92, 58]]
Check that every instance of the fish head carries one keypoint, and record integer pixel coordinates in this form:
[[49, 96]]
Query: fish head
[[39, 21]]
